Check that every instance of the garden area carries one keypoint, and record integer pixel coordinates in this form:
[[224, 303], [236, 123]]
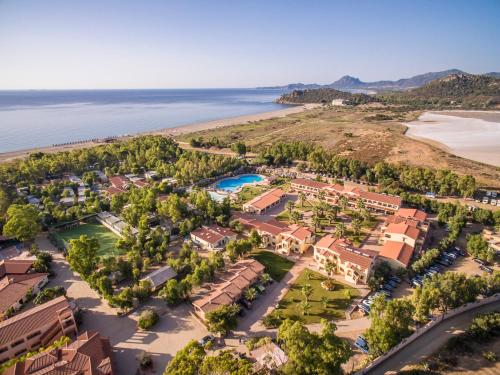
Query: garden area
[[309, 302], [276, 266], [107, 239]]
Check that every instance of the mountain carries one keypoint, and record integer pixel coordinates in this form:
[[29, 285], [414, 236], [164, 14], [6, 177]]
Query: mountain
[[459, 90], [324, 95], [349, 83], [493, 74]]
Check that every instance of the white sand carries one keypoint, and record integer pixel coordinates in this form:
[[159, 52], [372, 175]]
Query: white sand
[[473, 135]]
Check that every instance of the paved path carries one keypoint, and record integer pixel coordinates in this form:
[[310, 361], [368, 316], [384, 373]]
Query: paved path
[[432, 340], [174, 330]]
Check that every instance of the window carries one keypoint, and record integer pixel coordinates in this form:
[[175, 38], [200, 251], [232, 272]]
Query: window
[[33, 335], [3, 350], [20, 352], [16, 343]]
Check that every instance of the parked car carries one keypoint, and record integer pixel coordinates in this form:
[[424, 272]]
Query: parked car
[[395, 278], [479, 261], [365, 309], [388, 287], [205, 340], [361, 344], [486, 269], [392, 283]]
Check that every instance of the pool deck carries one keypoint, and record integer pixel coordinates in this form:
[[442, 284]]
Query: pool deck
[[214, 188]]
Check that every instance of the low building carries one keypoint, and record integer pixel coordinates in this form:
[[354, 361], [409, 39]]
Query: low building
[[265, 201], [269, 356], [213, 237], [229, 286], [119, 182], [353, 263], [493, 239], [18, 282], [114, 224], [35, 328], [160, 276], [89, 354], [297, 239], [397, 254], [268, 229], [405, 232]]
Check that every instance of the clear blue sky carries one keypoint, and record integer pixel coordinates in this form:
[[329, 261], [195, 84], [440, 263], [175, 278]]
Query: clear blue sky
[[63, 44]]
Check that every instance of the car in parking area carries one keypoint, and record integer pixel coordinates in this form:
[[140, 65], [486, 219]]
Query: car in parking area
[[486, 269], [395, 279], [205, 340], [364, 308], [361, 344], [479, 261]]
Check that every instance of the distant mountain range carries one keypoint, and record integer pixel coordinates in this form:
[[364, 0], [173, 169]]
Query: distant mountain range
[[356, 85]]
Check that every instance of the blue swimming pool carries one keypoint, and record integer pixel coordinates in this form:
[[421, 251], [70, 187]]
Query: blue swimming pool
[[234, 183]]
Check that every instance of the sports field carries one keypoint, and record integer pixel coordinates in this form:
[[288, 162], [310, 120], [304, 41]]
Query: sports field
[[107, 239]]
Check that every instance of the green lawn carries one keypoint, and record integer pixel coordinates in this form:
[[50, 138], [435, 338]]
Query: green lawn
[[290, 305], [107, 239], [247, 193], [276, 266]]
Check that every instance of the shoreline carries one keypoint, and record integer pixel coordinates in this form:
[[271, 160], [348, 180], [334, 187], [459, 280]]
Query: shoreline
[[172, 132]]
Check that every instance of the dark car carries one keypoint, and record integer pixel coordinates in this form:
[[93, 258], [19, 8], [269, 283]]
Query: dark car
[[479, 261], [486, 269], [395, 278], [205, 340]]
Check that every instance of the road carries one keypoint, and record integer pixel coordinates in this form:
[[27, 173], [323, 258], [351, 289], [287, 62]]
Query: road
[[431, 341], [174, 330]]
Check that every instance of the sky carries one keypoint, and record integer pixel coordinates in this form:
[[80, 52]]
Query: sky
[[92, 44]]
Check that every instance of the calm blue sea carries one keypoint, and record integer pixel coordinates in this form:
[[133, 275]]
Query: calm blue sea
[[42, 118]]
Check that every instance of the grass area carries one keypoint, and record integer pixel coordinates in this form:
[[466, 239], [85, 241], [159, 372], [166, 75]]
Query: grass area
[[290, 305], [276, 266], [283, 216], [247, 193], [107, 239]]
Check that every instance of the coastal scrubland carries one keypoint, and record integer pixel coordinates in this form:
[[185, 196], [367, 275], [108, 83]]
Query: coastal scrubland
[[369, 133]]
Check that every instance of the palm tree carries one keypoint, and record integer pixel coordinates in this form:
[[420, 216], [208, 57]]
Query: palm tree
[[329, 267], [331, 213], [302, 199], [307, 291], [360, 204], [295, 216], [306, 307], [250, 294], [316, 221], [324, 301], [343, 201], [356, 226], [321, 196], [340, 230], [265, 278], [289, 207]]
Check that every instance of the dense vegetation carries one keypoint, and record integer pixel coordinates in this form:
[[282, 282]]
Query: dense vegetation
[[325, 96]]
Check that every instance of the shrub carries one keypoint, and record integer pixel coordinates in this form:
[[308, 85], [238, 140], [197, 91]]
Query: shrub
[[148, 319], [272, 320], [145, 360]]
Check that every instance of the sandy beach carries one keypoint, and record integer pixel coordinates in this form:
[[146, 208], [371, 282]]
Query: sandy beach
[[473, 135], [7, 156]]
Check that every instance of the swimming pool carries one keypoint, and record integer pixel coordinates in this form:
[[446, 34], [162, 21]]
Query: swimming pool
[[232, 184]]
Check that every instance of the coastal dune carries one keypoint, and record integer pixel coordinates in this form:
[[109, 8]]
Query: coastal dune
[[473, 135]]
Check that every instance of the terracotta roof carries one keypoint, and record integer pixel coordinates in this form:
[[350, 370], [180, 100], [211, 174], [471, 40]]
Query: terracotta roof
[[270, 226], [212, 234], [399, 251], [230, 285], [118, 181], [114, 190], [89, 354], [299, 233], [403, 228], [13, 288], [266, 199], [398, 219], [15, 266], [22, 324], [345, 251], [383, 198], [411, 213]]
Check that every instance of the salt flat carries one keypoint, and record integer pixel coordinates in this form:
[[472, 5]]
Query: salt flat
[[473, 135]]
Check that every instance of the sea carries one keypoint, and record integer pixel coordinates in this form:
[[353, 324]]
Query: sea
[[38, 118]]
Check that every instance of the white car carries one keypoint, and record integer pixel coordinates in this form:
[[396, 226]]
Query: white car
[[493, 202], [485, 200]]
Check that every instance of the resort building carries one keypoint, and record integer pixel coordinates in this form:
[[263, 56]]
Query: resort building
[[353, 263], [269, 229], [35, 328], [114, 224], [297, 239], [373, 201], [159, 277], [493, 239], [18, 281], [265, 201], [229, 286], [269, 356], [397, 254], [89, 354], [405, 232], [213, 237]]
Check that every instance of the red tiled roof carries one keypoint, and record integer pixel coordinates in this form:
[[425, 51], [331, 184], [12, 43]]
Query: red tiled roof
[[266, 199], [403, 228], [270, 226], [300, 233], [399, 251], [89, 354], [346, 253], [212, 234], [15, 287], [29, 321], [411, 213], [118, 181], [310, 183], [114, 190], [15, 266], [377, 197]]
